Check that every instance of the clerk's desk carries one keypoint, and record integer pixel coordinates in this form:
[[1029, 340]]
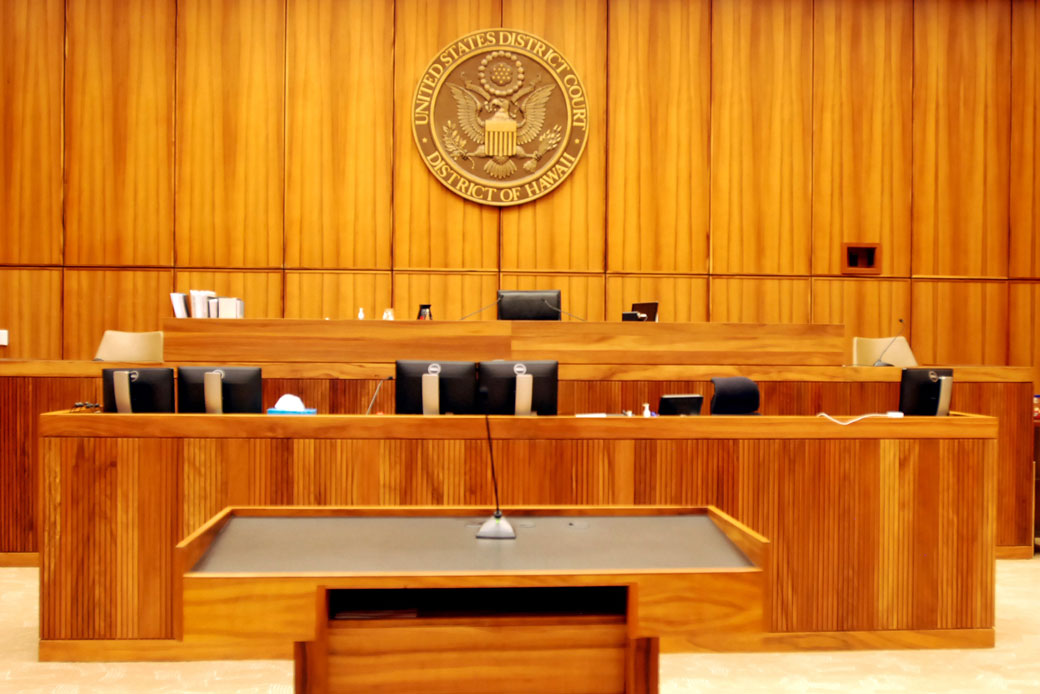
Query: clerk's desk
[[408, 600], [882, 531]]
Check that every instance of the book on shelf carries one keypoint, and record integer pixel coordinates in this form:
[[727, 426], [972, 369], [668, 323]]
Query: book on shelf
[[180, 304]]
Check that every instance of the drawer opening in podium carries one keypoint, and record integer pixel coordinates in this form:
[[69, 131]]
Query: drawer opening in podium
[[447, 603]]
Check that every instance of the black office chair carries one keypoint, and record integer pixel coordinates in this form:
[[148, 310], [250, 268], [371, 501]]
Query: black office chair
[[734, 395]]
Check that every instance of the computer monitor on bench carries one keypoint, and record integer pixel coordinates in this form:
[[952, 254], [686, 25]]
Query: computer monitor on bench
[[436, 387], [128, 391], [529, 305], [925, 392], [519, 387], [220, 389]]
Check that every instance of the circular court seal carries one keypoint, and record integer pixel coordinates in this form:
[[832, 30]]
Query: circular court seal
[[500, 117]]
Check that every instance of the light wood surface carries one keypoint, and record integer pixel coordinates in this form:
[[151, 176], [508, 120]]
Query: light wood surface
[[943, 312], [570, 342], [761, 126], [433, 227], [962, 116], [862, 99], [339, 133], [98, 300], [1024, 315], [866, 307], [31, 52], [760, 300], [31, 312], [1025, 148], [336, 295], [680, 298], [857, 573], [566, 230], [230, 132], [119, 132], [659, 63]]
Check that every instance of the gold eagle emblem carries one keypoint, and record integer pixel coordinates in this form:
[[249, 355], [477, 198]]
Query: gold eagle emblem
[[500, 116]]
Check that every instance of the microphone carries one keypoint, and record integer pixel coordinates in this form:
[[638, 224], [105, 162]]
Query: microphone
[[482, 309], [376, 394], [496, 527], [879, 362], [561, 311]]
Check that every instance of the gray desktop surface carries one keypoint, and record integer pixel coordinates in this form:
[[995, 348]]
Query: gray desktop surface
[[428, 544]]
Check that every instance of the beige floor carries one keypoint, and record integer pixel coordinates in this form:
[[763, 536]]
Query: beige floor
[[1013, 666]]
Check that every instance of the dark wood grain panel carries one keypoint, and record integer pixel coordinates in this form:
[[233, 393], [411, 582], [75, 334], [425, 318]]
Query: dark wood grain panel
[[962, 119], [862, 101], [339, 133], [31, 313], [336, 295], [230, 129], [659, 65], [960, 322], [31, 71], [761, 132], [119, 132], [1024, 256]]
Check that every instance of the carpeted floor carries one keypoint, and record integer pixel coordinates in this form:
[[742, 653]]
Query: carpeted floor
[[1012, 667]]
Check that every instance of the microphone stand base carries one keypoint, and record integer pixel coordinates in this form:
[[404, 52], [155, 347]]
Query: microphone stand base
[[496, 528]]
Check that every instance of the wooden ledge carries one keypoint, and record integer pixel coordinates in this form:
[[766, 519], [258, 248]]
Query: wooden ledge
[[409, 427]]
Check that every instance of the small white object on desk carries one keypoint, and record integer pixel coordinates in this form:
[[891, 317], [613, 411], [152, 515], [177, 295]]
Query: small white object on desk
[[3, 338], [291, 404]]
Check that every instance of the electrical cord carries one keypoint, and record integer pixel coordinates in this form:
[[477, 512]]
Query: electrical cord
[[886, 415]]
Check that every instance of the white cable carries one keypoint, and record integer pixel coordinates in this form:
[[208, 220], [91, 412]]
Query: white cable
[[857, 419]]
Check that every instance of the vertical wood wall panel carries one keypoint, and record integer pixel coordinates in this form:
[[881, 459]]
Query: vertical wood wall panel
[[659, 65], [760, 300], [31, 51], [1024, 323], [99, 300], [453, 295], [566, 229], [230, 132], [1025, 148], [862, 99], [339, 128], [433, 227], [866, 307], [958, 322], [31, 313], [962, 113], [581, 295], [681, 298], [336, 295], [119, 132], [761, 128], [261, 291]]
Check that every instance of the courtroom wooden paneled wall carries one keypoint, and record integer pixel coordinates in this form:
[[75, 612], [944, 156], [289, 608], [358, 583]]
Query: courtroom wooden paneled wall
[[264, 148]]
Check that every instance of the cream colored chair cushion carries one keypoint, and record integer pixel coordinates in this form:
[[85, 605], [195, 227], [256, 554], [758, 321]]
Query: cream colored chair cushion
[[866, 350], [138, 347]]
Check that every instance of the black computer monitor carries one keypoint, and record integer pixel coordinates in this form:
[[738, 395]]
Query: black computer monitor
[[529, 305], [498, 384], [682, 405], [453, 391], [925, 392], [241, 389], [646, 308], [143, 390]]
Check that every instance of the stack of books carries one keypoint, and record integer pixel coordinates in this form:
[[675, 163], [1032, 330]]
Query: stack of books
[[206, 304]]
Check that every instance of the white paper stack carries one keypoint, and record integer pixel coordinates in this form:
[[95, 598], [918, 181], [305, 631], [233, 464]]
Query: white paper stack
[[200, 299], [180, 304]]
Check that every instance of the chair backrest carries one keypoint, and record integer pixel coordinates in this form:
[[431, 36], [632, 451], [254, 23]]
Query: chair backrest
[[117, 345], [866, 350], [734, 395]]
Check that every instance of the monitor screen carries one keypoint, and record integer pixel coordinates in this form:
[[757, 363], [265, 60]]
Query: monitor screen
[[646, 308], [920, 392], [456, 386], [241, 389], [529, 305], [682, 405], [150, 390], [498, 379]]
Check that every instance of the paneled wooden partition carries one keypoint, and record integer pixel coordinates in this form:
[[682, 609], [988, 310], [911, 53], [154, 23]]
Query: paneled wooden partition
[[735, 147]]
